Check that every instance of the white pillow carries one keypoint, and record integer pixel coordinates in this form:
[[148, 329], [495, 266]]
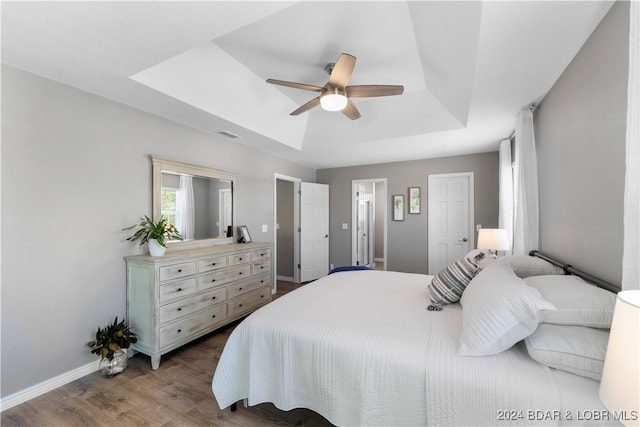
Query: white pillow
[[525, 265], [576, 349], [577, 302], [498, 310]]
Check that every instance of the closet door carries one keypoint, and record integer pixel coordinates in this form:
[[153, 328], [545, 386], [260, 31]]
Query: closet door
[[314, 231], [450, 219]]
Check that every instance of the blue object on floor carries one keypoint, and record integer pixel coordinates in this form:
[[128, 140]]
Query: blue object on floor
[[349, 268]]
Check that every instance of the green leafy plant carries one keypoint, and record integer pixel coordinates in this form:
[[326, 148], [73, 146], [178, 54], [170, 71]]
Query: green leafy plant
[[112, 338], [160, 231]]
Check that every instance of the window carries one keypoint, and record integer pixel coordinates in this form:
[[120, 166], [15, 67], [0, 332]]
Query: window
[[168, 205]]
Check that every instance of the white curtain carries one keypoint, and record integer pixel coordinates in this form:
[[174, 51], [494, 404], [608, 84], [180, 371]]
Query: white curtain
[[631, 251], [525, 181], [505, 209], [185, 214]]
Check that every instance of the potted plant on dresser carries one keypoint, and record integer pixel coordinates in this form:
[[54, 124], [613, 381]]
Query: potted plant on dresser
[[155, 234], [110, 344]]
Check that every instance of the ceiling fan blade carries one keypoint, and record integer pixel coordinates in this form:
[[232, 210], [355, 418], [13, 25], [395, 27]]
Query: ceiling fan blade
[[351, 111], [373, 90], [309, 105], [302, 86], [341, 73]]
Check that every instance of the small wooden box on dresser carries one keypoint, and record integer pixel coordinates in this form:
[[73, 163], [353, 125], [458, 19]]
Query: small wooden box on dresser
[[185, 294]]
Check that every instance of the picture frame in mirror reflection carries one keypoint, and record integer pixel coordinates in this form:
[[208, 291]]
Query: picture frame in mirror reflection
[[245, 237]]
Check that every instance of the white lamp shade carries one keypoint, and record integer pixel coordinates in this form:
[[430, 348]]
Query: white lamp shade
[[620, 385], [494, 239]]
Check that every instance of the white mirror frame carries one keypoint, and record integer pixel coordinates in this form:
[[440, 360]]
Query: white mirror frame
[[160, 164]]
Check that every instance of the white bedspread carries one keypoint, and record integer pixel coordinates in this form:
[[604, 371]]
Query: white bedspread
[[360, 348]]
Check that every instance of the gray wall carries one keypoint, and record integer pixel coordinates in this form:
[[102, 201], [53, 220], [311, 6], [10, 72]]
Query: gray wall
[[580, 133], [407, 240], [75, 171]]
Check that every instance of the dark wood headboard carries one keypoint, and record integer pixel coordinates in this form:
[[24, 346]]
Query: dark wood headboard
[[569, 269]]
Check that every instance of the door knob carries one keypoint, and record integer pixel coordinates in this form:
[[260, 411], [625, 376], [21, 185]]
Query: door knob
[[464, 239], [326, 236]]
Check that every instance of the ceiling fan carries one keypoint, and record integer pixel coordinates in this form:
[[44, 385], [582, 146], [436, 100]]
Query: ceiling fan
[[335, 94]]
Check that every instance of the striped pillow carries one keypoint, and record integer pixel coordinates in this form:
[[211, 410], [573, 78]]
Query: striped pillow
[[447, 286]]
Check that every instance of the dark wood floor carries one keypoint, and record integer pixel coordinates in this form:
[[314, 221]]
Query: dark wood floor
[[177, 394]]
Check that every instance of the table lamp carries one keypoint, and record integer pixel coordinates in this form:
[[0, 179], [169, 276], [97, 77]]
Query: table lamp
[[620, 385], [493, 239]]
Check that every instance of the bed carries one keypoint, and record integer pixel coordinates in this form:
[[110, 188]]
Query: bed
[[360, 348]]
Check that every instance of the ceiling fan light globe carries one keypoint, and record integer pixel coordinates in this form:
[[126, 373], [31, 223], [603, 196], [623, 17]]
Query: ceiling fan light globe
[[333, 102]]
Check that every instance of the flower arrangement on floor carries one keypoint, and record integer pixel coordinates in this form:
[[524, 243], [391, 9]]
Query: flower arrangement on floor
[[110, 343]]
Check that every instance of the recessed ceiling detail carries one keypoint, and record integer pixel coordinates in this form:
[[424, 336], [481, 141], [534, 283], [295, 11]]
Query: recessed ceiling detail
[[467, 67]]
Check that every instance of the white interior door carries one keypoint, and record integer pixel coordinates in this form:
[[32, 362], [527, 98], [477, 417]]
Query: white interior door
[[314, 231], [450, 219], [364, 232]]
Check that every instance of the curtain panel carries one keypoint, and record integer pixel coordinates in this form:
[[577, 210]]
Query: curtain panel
[[631, 249], [505, 185], [526, 199]]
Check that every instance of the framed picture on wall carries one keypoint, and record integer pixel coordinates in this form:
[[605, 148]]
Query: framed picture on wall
[[397, 203], [414, 200]]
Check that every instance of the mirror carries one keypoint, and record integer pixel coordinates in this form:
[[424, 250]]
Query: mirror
[[198, 200]]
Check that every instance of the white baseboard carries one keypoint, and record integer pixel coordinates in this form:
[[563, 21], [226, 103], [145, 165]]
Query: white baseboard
[[48, 385], [284, 278]]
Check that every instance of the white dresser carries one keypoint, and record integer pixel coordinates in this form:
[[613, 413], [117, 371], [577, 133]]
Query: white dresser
[[185, 294]]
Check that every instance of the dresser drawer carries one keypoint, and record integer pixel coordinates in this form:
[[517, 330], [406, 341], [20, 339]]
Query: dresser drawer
[[176, 271], [173, 311], [217, 278], [173, 290], [249, 301], [240, 258], [209, 299], [244, 286], [212, 263], [182, 329], [185, 307], [260, 255], [263, 266]]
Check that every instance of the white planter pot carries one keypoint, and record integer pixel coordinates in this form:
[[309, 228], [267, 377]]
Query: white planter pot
[[155, 248]]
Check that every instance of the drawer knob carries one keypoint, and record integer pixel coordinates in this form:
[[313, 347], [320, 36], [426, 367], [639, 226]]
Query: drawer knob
[[213, 317], [179, 308], [261, 296], [178, 290], [261, 267], [213, 297], [262, 281], [179, 330], [239, 289], [213, 263], [213, 280], [240, 273], [239, 305], [179, 270]]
